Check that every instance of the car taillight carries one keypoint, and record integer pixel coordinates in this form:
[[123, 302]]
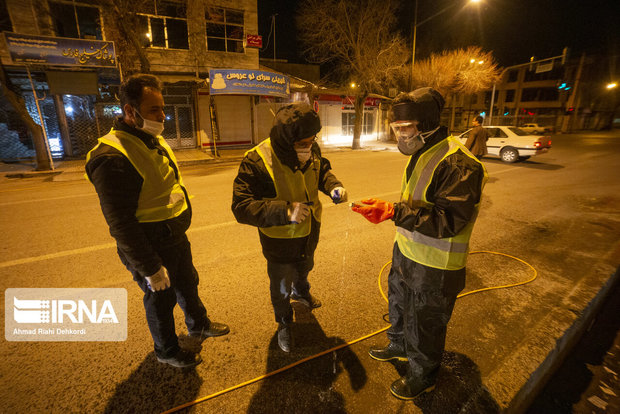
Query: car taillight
[[537, 144]]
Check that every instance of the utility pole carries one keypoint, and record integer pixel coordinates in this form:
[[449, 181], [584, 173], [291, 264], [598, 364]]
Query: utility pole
[[415, 32], [273, 23], [566, 124]]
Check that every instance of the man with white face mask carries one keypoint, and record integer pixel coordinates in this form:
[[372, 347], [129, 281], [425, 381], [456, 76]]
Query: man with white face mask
[[276, 190], [440, 198], [146, 206]]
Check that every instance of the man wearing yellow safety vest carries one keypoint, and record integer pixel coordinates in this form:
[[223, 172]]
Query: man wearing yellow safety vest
[[439, 202], [276, 190], [148, 211]]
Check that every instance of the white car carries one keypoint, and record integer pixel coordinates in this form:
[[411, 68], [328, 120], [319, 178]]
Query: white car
[[511, 143], [536, 129]]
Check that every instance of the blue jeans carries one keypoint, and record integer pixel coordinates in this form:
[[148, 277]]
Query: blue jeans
[[285, 278]]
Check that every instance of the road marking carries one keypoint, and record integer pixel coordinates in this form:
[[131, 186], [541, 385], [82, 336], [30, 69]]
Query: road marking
[[56, 255], [503, 171], [45, 199], [97, 247]]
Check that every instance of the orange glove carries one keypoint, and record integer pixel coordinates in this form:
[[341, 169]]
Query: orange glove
[[375, 210]]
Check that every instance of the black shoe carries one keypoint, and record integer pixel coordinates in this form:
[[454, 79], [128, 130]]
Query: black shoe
[[390, 352], [182, 359], [308, 300], [214, 329], [284, 337], [408, 388]]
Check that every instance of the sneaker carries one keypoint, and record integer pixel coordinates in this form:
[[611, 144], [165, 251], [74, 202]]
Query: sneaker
[[309, 300], [284, 337], [214, 329], [182, 359], [407, 388], [390, 352]]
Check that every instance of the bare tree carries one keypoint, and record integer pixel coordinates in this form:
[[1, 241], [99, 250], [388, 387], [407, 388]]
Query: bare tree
[[357, 38], [465, 71], [13, 96], [121, 16]]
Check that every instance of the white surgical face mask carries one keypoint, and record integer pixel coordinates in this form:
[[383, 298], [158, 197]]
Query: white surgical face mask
[[150, 127], [303, 154]]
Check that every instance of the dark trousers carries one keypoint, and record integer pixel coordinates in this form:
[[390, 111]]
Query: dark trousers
[[183, 290], [421, 300], [285, 278]]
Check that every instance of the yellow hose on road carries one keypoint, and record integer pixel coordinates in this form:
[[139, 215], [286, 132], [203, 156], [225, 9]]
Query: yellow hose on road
[[346, 344]]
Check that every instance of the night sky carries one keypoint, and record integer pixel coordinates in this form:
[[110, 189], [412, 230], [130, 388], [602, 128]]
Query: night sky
[[513, 30]]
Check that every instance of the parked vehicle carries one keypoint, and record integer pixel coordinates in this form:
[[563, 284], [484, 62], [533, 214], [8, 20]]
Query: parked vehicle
[[536, 129], [511, 143]]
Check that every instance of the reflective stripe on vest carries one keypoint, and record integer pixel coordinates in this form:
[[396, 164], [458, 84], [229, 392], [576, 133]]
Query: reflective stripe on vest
[[161, 196], [291, 186], [448, 253]]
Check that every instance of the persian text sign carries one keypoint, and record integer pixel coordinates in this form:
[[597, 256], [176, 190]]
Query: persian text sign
[[253, 41], [248, 82], [65, 314], [60, 50]]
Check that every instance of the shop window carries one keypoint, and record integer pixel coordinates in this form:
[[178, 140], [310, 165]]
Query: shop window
[[225, 29], [167, 28], [348, 123], [76, 20]]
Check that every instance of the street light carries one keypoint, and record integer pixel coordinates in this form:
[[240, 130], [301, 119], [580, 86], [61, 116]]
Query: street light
[[611, 85], [416, 24]]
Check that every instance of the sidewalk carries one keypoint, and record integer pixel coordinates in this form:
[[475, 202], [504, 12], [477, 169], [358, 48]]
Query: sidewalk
[[69, 170]]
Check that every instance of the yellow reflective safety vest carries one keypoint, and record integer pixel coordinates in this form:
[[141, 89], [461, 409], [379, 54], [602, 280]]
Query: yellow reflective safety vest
[[161, 196], [291, 186], [448, 253]]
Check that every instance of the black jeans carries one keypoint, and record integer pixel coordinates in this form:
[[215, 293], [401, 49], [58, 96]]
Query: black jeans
[[421, 301], [284, 278], [183, 290]]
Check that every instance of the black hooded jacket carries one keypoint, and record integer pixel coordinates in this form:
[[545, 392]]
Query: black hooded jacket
[[455, 189], [118, 185], [253, 185]]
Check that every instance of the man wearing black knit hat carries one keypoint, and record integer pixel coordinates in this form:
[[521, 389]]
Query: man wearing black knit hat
[[439, 203], [276, 190]]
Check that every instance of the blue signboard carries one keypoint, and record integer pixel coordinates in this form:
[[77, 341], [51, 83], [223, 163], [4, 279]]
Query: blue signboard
[[49, 50], [248, 82]]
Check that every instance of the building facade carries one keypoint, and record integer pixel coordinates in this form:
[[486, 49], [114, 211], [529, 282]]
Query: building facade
[[179, 41]]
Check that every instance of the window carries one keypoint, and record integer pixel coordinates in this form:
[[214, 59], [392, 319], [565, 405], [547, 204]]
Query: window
[[512, 76], [539, 94], [496, 133], [5, 21], [348, 123], [510, 95], [76, 20], [225, 30], [167, 28]]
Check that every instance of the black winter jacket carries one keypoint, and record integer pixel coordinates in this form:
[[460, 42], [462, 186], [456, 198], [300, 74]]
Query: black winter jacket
[[455, 190], [118, 185], [253, 184]]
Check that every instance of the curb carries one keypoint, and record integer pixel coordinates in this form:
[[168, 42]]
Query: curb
[[564, 345]]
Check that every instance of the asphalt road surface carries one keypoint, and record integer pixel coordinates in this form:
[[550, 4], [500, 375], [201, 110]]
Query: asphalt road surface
[[559, 212]]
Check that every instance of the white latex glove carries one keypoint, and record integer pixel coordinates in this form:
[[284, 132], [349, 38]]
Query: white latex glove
[[158, 281], [298, 212], [339, 195]]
